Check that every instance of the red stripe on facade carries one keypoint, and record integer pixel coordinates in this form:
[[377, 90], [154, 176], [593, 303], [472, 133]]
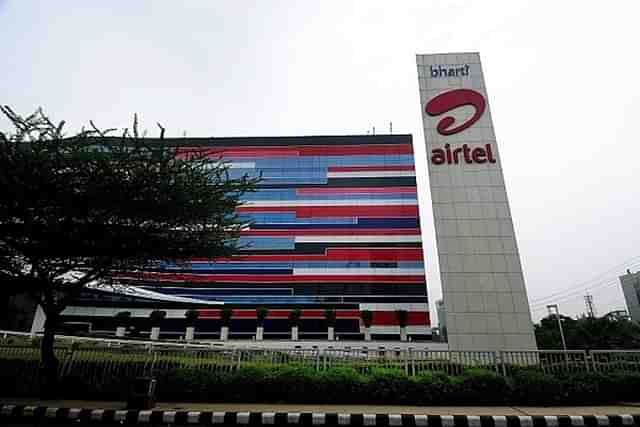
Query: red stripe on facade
[[336, 254], [347, 150], [333, 211], [278, 314], [217, 153], [389, 318], [334, 232], [356, 190], [370, 168], [274, 278], [295, 150]]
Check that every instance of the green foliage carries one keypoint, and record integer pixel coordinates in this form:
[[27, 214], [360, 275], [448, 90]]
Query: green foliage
[[123, 318], [603, 333], [367, 317], [298, 384], [191, 317], [225, 316], [385, 385], [157, 316], [79, 209], [401, 316], [294, 316], [261, 315], [536, 388], [330, 316], [486, 387]]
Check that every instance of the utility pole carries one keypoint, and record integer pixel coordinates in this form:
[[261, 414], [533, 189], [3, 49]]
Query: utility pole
[[588, 300], [557, 314]]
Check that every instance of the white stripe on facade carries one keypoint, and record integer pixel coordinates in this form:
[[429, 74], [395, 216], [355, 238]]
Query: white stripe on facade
[[395, 329], [381, 306]]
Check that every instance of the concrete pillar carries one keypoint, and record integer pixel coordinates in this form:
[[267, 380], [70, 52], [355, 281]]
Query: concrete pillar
[[259, 333], [191, 333], [294, 333], [224, 333], [155, 333], [38, 322], [330, 333]]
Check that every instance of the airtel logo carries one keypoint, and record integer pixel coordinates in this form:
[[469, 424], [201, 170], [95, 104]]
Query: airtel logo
[[453, 99]]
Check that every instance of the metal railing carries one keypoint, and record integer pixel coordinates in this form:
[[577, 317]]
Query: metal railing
[[131, 361]]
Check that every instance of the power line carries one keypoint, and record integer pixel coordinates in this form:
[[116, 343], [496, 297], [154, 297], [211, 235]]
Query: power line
[[572, 295], [584, 286]]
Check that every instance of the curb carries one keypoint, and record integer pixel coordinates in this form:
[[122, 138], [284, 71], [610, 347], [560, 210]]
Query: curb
[[33, 413]]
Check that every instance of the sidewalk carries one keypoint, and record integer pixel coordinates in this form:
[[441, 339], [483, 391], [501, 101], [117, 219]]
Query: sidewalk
[[627, 408]]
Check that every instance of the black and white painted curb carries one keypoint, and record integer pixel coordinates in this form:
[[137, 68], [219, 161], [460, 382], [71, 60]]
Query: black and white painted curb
[[19, 413]]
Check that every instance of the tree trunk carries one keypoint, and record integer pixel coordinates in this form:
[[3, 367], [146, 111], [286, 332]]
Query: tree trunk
[[48, 361]]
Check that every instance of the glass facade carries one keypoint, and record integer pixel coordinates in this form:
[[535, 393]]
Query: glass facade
[[335, 224]]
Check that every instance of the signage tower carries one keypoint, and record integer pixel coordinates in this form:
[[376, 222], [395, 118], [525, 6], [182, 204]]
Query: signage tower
[[482, 281]]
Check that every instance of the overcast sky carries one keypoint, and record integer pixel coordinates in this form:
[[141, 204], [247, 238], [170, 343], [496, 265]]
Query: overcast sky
[[563, 81]]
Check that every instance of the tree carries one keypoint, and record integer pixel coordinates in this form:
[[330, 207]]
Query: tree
[[367, 320], [191, 316], [402, 317], [605, 333], [294, 319], [330, 318], [75, 211]]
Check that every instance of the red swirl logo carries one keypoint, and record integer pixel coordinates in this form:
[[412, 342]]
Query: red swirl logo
[[448, 101]]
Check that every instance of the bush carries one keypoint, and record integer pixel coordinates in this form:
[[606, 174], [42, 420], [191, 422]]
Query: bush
[[622, 386], [533, 387], [433, 388], [484, 387], [297, 384], [388, 385], [341, 385]]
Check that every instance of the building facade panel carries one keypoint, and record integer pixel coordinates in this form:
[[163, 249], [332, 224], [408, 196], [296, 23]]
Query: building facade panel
[[334, 223], [483, 287]]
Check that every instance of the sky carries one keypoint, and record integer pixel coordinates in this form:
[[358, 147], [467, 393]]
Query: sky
[[562, 79]]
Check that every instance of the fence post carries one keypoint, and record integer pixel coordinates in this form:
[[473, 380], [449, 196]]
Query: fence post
[[586, 355], [500, 361], [413, 363], [317, 360]]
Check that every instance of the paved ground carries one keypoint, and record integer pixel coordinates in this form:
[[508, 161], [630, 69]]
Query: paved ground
[[629, 408]]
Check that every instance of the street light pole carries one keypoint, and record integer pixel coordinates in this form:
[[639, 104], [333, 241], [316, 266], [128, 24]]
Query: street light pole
[[549, 307]]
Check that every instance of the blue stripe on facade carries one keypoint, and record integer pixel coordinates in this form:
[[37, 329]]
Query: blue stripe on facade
[[285, 196], [257, 243], [310, 162]]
